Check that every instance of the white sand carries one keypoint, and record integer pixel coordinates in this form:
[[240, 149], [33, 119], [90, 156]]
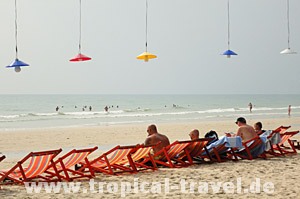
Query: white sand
[[283, 172]]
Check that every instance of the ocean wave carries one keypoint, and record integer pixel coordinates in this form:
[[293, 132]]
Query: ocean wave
[[45, 114], [268, 108], [137, 110], [249, 115], [9, 116], [219, 110], [147, 112]]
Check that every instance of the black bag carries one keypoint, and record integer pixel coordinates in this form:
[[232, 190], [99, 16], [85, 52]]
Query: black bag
[[212, 134]]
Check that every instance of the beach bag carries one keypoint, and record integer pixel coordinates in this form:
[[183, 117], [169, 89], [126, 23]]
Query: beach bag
[[212, 134]]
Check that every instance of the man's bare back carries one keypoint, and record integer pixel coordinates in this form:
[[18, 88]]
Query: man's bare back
[[246, 132], [154, 137]]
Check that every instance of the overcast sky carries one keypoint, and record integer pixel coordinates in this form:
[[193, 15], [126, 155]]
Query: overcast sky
[[187, 36]]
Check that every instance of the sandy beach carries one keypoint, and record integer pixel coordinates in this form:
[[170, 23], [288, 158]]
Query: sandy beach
[[283, 172]]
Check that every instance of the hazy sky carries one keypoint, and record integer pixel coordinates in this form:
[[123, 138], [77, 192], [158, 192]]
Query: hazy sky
[[187, 36]]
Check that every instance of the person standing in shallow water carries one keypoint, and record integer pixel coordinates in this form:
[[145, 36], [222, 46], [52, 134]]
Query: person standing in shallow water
[[289, 110], [57, 108], [106, 109], [250, 107]]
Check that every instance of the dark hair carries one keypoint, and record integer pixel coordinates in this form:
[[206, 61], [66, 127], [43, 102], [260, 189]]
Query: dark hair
[[241, 119], [259, 124]]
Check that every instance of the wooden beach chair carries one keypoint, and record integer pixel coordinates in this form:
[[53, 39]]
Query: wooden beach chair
[[285, 138], [195, 150], [220, 154], [134, 161], [251, 149], [37, 163], [112, 161], [275, 135], [223, 149], [282, 129], [65, 165], [170, 155]]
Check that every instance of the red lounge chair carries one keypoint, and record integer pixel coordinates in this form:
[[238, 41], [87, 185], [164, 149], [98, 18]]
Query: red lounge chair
[[282, 129], [134, 161], [112, 161], [171, 153], [222, 150], [251, 147], [65, 165], [221, 153], [195, 150], [285, 137], [37, 163]]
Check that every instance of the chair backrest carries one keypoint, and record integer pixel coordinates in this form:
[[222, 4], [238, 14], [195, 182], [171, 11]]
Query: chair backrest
[[114, 156], [279, 130], [176, 147], [38, 163], [141, 152], [286, 136], [74, 157], [253, 143], [222, 148], [121, 154], [196, 146], [282, 129]]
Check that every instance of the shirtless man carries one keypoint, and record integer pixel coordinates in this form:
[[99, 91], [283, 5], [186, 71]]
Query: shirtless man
[[154, 137], [194, 134], [245, 131]]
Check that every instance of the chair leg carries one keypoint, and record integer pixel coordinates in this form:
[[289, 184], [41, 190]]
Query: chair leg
[[280, 150], [234, 155], [292, 145], [217, 154], [208, 154], [168, 158], [249, 153]]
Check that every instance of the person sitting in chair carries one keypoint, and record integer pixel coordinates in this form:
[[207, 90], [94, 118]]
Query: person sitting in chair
[[194, 134], [154, 137], [245, 131], [258, 128]]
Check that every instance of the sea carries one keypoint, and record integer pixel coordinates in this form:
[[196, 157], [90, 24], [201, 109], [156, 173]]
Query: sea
[[18, 112]]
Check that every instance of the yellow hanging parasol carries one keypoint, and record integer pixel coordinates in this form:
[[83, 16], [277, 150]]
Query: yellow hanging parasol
[[146, 56]]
